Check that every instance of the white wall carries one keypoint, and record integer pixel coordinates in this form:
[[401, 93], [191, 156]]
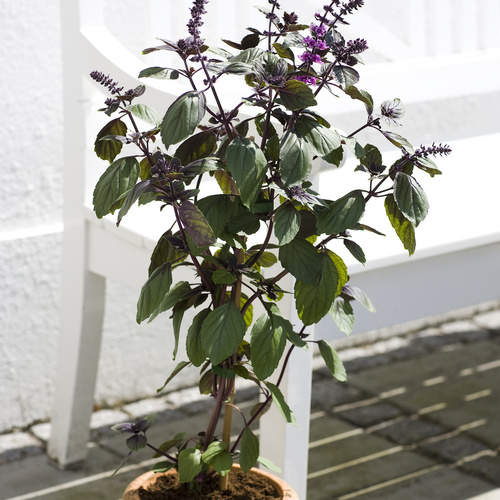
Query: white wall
[[31, 135]]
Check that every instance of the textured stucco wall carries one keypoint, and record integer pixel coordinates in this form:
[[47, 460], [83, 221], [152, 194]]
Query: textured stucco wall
[[31, 207]]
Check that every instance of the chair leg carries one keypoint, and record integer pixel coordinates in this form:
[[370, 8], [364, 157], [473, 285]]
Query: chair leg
[[79, 346]]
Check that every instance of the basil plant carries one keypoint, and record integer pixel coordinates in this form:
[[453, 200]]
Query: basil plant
[[265, 222]]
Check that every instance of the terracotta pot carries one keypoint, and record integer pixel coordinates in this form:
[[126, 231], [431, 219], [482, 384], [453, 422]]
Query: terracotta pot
[[286, 492]]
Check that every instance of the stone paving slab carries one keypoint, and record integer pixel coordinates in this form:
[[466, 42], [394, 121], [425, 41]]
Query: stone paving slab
[[441, 484]]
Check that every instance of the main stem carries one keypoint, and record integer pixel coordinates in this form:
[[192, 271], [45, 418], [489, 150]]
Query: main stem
[[228, 410]]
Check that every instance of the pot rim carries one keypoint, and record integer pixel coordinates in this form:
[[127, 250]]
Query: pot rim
[[287, 492]]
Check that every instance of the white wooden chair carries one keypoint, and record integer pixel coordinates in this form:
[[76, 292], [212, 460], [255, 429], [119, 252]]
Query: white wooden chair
[[455, 257]]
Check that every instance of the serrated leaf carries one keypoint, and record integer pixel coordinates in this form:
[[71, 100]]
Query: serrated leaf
[[343, 315], [248, 166], [160, 73], [249, 452], [196, 225], [286, 223], [295, 159], [175, 371], [172, 298], [342, 214], [145, 113], [217, 209], [197, 147], [358, 294], [332, 360], [403, 227], [164, 252], [279, 401], [355, 250], [226, 182], [109, 150], [267, 343], [322, 140], [223, 277], [313, 301], [190, 464], [222, 331], [182, 117], [398, 140], [133, 195], [296, 95], [153, 292], [361, 95], [302, 260], [283, 51], [427, 165], [410, 198], [345, 76], [114, 183]]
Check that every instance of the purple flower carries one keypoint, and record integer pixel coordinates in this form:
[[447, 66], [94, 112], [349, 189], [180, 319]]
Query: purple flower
[[310, 80], [314, 43], [318, 31], [310, 58]]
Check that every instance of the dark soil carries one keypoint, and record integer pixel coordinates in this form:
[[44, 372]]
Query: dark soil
[[248, 486]]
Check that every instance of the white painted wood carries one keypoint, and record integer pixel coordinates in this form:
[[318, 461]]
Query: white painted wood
[[287, 446]]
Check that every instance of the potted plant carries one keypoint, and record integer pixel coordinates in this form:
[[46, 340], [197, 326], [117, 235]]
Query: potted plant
[[266, 221]]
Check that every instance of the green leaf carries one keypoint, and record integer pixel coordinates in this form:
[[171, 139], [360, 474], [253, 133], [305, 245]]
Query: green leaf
[[268, 464], [302, 260], [175, 371], [345, 76], [267, 343], [249, 452], [217, 209], [182, 117], [196, 225], [222, 332], [145, 113], [177, 315], [411, 198], [108, 150], [132, 196], [284, 52], [322, 140], [343, 315], [248, 165], [213, 449], [313, 301], [164, 252], [361, 95], [172, 298], [358, 294], [223, 277], [332, 360], [190, 464], [342, 214], [286, 223], [163, 466], [403, 227], [355, 250], [295, 159], [114, 183], [222, 463], [296, 95], [427, 165], [197, 147], [281, 404], [160, 73], [372, 159], [153, 292], [398, 140]]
